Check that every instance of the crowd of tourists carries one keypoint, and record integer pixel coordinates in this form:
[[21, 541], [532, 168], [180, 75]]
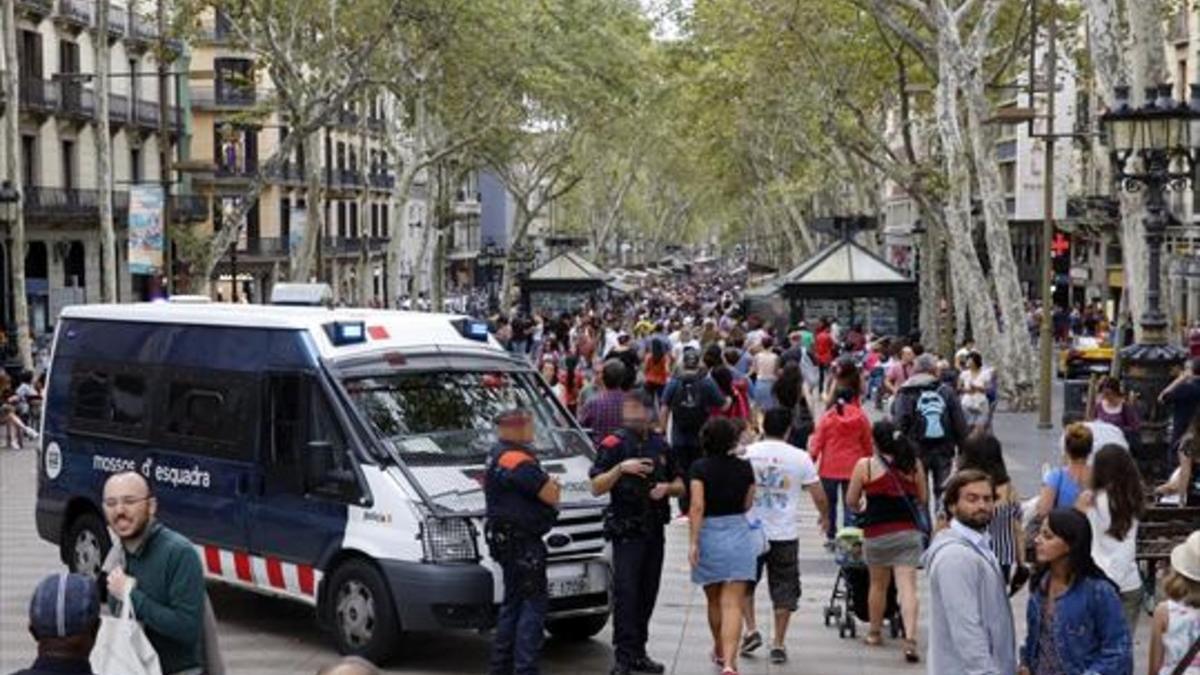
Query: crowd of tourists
[[698, 412]]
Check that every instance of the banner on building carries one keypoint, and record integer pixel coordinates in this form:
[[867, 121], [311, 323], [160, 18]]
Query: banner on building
[[145, 229], [298, 228]]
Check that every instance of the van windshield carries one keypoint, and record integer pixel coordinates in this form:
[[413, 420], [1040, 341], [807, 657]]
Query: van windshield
[[446, 417]]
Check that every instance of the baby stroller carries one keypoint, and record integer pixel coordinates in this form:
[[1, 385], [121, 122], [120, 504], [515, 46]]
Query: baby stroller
[[849, 598]]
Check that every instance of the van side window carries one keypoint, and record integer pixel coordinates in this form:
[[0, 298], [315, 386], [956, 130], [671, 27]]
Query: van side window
[[333, 474], [108, 399], [305, 450], [210, 413]]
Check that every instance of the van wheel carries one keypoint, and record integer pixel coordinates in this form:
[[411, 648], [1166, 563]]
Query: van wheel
[[364, 618], [577, 628], [86, 544]]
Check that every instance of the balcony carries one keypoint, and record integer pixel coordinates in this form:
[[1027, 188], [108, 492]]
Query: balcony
[[222, 97], [288, 172], [142, 33], [74, 15], [70, 204], [352, 245], [76, 102], [118, 109], [38, 9], [145, 115], [189, 208], [217, 29], [346, 178], [117, 20], [1177, 28], [376, 124], [347, 118], [38, 96], [382, 181]]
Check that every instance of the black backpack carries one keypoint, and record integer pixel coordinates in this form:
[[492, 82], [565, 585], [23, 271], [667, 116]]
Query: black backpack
[[688, 413]]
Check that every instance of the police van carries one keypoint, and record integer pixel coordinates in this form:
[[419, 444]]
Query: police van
[[329, 456]]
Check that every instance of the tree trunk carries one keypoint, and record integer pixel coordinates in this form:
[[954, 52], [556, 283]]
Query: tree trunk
[[12, 163], [970, 284], [108, 244], [1018, 351], [305, 266]]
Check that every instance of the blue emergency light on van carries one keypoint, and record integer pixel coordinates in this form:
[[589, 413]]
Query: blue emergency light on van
[[472, 329], [301, 469], [342, 333]]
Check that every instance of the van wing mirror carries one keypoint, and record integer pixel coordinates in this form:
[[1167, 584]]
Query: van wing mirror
[[327, 473]]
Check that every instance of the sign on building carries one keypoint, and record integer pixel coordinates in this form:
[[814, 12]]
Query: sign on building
[[145, 229]]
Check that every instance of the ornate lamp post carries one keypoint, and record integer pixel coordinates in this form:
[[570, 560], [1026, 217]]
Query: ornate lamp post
[[1153, 148], [523, 257], [9, 198], [490, 259]]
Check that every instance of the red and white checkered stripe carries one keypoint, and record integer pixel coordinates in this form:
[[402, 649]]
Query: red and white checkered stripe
[[270, 575]]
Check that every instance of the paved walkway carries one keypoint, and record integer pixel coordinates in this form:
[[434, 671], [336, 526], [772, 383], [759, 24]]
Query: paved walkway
[[267, 636]]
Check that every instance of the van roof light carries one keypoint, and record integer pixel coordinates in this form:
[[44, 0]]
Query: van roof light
[[471, 329], [343, 333], [302, 295]]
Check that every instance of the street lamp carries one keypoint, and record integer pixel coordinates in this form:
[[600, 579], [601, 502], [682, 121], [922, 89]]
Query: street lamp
[[10, 198], [523, 257], [490, 258], [1153, 148]]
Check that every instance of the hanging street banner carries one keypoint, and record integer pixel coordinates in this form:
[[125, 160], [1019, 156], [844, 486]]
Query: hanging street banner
[[145, 229], [299, 223]]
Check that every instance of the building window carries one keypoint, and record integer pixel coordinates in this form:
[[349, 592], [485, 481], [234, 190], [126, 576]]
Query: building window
[[285, 221], [234, 80], [135, 165], [341, 219], [383, 220], [68, 164], [29, 160], [353, 220]]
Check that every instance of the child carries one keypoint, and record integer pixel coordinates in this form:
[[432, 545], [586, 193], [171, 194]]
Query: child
[[1176, 633]]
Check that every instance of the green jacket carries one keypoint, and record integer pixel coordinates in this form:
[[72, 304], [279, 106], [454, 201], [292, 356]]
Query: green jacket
[[168, 598]]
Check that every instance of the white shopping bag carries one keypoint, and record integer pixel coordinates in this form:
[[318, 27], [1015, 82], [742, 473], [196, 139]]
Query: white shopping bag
[[122, 647]]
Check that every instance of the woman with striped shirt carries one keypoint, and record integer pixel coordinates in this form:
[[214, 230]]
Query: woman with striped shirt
[[983, 452]]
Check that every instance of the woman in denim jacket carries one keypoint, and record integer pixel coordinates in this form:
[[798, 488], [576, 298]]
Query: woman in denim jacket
[[1076, 626]]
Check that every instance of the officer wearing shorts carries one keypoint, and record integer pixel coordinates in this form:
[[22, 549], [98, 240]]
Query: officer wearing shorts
[[635, 466], [522, 505]]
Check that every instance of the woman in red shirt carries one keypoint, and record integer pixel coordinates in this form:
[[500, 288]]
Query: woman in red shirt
[[842, 437], [656, 369], [893, 485]]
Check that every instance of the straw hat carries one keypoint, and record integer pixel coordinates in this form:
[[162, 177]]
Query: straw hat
[[1185, 558]]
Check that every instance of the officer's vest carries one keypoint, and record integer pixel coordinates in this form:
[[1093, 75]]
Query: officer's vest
[[504, 503]]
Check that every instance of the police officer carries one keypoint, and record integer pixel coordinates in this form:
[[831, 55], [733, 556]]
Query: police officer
[[635, 465], [522, 505]]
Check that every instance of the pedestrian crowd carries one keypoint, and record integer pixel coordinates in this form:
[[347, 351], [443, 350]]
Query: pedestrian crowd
[[700, 413]]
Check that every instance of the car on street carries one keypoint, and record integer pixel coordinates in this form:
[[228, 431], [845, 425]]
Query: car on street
[[1085, 356]]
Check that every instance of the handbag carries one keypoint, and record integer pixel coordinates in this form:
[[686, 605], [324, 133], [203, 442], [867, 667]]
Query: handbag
[[920, 515], [122, 647]]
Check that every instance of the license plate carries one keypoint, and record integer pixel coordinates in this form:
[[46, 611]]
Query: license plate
[[567, 580]]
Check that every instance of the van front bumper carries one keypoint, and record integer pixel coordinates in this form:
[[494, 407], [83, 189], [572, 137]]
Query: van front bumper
[[430, 597], [447, 596]]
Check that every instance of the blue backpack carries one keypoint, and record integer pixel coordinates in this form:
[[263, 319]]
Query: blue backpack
[[930, 410]]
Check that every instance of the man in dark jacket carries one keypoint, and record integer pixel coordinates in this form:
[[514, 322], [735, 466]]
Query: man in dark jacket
[[64, 617], [929, 413]]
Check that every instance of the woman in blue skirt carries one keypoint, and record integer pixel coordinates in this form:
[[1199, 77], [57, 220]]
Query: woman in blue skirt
[[724, 551]]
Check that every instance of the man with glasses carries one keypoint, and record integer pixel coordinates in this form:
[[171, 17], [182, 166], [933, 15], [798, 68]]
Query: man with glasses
[[168, 597]]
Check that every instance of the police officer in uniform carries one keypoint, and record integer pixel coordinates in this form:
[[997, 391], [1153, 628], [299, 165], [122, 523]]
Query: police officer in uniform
[[522, 503], [635, 466]]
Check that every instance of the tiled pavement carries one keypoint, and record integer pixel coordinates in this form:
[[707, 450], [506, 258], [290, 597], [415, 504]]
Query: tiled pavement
[[263, 635]]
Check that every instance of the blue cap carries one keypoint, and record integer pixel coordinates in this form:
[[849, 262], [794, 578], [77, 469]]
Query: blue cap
[[63, 605]]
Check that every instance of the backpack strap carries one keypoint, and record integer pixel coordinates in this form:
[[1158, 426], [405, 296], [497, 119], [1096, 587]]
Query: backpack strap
[[1186, 661]]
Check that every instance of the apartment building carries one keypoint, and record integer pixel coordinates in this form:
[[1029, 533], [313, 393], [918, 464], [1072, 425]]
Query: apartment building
[[57, 108], [358, 173]]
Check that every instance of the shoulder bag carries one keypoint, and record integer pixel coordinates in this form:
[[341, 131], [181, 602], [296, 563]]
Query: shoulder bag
[[920, 515]]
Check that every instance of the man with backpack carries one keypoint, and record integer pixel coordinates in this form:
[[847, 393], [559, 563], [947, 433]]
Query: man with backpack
[[929, 413], [689, 399]]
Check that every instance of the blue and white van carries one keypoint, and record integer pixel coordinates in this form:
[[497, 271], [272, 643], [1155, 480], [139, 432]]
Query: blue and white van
[[330, 456]]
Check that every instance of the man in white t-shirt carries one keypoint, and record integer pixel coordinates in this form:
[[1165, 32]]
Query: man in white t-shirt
[[781, 471]]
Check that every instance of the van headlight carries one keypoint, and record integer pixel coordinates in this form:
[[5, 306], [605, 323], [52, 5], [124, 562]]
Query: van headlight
[[449, 540]]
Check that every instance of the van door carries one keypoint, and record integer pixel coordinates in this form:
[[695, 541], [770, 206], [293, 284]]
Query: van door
[[307, 479]]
